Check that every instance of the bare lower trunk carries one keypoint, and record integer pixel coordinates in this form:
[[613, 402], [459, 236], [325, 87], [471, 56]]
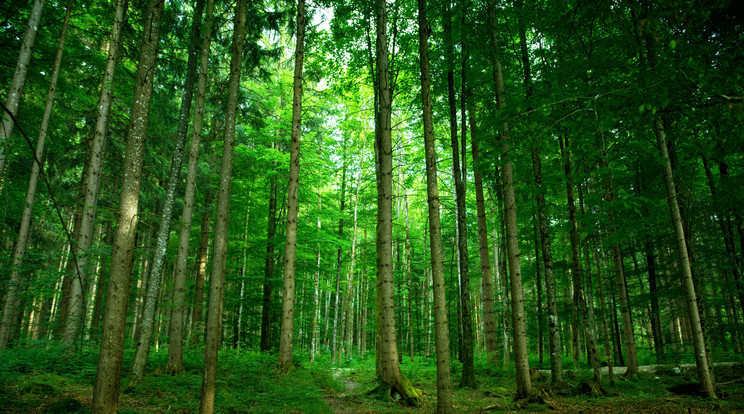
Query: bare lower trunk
[[201, 272], [108, 377], [217, 283], [576, 273], [290, 250], [316, 290]]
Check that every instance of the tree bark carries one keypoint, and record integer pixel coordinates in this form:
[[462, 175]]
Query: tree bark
[[519, 329], [441, 328], [164, 229], [386, 357], [178, 315], [16, 85], [290, 249], [217, 285], [108, 377]]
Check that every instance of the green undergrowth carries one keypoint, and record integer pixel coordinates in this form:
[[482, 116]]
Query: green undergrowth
[[45, 378]]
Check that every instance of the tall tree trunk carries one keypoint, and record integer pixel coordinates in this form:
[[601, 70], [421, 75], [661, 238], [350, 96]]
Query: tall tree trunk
[[178, 314], [16, 85], [316, 288], [467, 356], [441, 328], [164, 229], [217, 284], [698, 341], [201, 271], [290, 249], [108, 377], [489, 319], [388, 371], [519, 328], [15, 285], [554, 333], [605, 318], [576, 271], [334, 333], [346, 306], [269, 267]]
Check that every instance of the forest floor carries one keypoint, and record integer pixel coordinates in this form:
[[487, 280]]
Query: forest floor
[[45, 378]]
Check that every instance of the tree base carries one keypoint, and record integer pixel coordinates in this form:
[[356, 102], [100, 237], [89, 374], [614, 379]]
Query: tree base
[[402, 392]]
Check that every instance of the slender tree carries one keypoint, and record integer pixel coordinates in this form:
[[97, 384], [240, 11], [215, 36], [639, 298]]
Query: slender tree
[[386, 357], [108, 376], [217, 283], [12, 301], [290, 249], [164, 228], [441, 328], [178, 315], [16, 84], [519, 329]]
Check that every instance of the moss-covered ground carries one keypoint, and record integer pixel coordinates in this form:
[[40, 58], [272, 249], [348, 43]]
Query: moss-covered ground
[[45, 378]]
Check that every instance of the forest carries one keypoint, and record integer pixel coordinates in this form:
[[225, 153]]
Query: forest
[[371, 206]]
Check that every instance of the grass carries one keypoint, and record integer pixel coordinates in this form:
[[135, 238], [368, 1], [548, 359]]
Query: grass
[[45, 378]]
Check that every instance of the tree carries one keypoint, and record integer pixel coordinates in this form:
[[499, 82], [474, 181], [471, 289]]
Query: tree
[[386, 357], [11, 300], [175, 346], [217, 286], [521, 364], [290, 250], [441, 331], [108, 377], [16, 86], [164, 228]]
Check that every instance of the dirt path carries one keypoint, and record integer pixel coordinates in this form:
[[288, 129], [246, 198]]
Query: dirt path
[[345, 402]]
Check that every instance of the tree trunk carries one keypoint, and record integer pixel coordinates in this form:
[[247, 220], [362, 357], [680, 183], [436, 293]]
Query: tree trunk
[[489, 319], [217, 284], [269, 268], [290, 250], [519, 329], [178, 314], [698, 341], [16, 86], [201, 271], [441, 328], [108, 377], [316, 288], [164, 229], [334, 333], [72, 305], [388, 371], [605, 318], [576, 273], [15, 284]]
